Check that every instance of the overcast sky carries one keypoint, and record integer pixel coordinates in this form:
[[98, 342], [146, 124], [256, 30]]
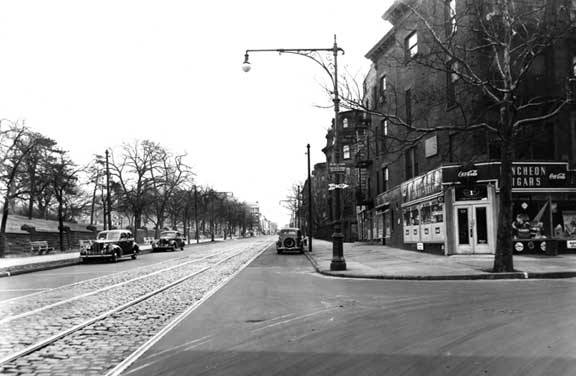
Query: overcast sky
[[94, 74]]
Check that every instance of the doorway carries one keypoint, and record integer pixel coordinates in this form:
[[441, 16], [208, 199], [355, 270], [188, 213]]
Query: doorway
[[473, 224]]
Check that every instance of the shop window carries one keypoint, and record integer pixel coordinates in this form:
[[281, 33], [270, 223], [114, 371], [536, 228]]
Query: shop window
[[415, 216], [564, 218], [426, 214], [407, 218], [437, 213], [532, 217], [387, 224]]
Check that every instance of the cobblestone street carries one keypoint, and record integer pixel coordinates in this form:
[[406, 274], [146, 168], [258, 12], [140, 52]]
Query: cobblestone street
[[89, 327]]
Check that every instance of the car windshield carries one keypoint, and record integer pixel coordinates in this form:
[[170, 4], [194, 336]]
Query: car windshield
[[168, 234], [105, 235], [288, 232]]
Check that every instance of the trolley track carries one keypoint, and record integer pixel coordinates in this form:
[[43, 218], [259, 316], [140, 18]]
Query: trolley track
[[118, 323]]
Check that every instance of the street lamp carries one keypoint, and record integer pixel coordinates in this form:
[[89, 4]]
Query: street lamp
[[338, 262], [309, 201]]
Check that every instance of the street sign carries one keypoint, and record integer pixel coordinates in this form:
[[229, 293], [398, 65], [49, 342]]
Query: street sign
[[337, 169], [332, 186]]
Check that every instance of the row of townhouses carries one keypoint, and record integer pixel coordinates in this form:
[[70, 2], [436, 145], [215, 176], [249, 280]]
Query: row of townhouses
[[449, 94]]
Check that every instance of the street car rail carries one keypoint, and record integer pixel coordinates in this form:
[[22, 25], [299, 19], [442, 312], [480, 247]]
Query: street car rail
[[61, 336]]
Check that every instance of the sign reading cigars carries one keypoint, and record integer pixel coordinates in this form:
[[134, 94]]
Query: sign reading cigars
[[539, 176], [525, 175]]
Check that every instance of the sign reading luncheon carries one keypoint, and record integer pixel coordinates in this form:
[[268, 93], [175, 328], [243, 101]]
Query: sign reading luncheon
[[535, 177]]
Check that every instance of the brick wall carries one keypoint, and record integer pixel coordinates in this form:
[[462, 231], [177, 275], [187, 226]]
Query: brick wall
[[18, 244]]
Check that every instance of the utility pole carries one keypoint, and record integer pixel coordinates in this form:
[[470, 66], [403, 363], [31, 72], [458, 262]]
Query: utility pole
[[108, 202], [196, 214]]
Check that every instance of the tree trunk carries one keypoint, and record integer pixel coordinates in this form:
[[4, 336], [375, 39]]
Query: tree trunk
[[503, 257], [93, 202], [3, 244], [61, 226]]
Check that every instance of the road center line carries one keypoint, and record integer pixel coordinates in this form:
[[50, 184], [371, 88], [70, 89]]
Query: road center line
[[293, 319]]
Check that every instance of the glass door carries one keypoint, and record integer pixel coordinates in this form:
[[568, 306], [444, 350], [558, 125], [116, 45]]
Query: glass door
[[472, 229]]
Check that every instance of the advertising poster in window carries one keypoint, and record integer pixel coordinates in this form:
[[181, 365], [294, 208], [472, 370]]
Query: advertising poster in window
[[569, 217]]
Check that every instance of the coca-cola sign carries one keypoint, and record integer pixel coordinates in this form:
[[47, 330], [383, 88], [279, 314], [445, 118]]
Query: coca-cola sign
[[468, 174], [560, 176]]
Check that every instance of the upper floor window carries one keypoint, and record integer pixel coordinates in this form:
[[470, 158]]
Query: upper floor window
[[411, 45], [382, 98], [345, 123], [453, 76], [346, 151], [410, 163], [451, 17], [385, 179], [385, 127], [574, 65]]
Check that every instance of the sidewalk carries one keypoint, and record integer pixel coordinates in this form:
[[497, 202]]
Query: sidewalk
[[365, 260], [17, 265]]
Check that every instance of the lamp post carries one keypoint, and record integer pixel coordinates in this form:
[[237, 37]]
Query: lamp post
[[338, 262], [309, 201]]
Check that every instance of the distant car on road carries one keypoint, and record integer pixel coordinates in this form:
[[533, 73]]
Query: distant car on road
[[290, 239], [169, 240], [112, 245]]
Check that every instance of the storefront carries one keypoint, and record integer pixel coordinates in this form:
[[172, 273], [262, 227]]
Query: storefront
[[423, 212], [544, 207], [386, 208]]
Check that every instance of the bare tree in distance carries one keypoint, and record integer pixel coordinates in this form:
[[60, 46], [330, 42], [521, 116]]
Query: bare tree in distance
[[131, 168], [167, 176], [17, 142], [488, 53]]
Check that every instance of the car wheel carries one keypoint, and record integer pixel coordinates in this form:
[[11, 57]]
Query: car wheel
[[134, 255], [114, 257]]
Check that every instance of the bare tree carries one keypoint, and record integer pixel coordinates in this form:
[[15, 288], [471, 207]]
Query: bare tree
[[132, 169], [168, 175], [17, 142], [64, 186]]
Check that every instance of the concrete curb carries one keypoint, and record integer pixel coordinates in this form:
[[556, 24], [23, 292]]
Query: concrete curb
[[28, 268], [455, 277], [39, 266]]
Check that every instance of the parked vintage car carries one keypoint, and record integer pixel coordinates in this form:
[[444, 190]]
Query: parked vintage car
[[290, 239], [112, 245], [169, 240]]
